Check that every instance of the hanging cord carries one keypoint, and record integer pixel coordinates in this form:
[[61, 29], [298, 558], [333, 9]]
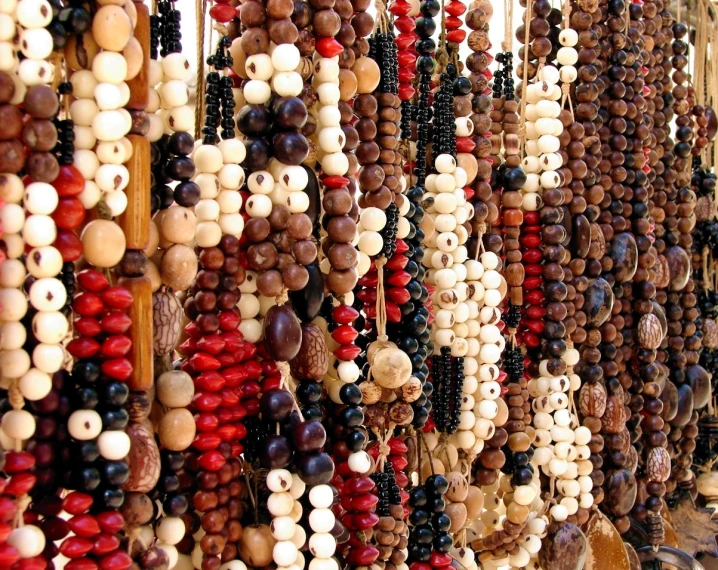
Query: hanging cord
[[442, 54], [200, 9], [507, 44], [382, 19], [525, 80]]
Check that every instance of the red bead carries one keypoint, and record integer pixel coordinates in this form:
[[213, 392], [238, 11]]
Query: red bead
[[456, 36], [398, 295], [210, 382], [83, 347], [393, 312], [465, 144], [419, 566], [531, 340], [406, 40], [92, 280], [401, 246], [399, 463], [531, 218], [363, 555], [69, 181], [532, 256], [117, 297], [87, 304], [18, 461], [115, 322], [536, 312], [111, 522], [118, 560], [229, 321], [531, 283], [401, 479], [533, 270], [347, 352], [81, 564], [202, 362], [531, 229], [455, 8], [406, 74], [468, 193], [206, 441], [344, 314], [20, 484], [87, 326], [206, 422], [105, 544], [222, 13], [399, 279], [227, 432], [344, 334], [204, 402], [8, 555], [212, 343], [364, 503], [229, 398], [335, 182], [406, 92], [75, 547], [534, 297], [116, 346], [360, 485], [530, 240], [117, 368], [84, 526], [6, 531], [397, 262], [534, 326], [77, 503], [400, 8], [328, 47], [69, 213], [211, 461], [7, 509], [406, 58], [404, 24], [439, 560]]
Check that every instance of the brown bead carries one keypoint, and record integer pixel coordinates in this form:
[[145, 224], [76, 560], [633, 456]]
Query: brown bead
[[269, 283], [42, 166], [11, 122], [41, 102]]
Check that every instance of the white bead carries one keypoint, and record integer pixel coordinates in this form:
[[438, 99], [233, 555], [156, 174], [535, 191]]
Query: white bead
[[297, 202], [335, 164], [568, 73], [568, 37], [323, 564], [12, 218], [259, 206], [371, 243], [48, 358], [329, 116], [110, 67], [84, 425], [18, 424], [282, 528], [279, 480], [567, 56], [7, 28], [321, 497], [373, 219], [174, 93], [233, 151], [35, 383], [233, 565], [542, 455], [520, 559], [328, 94], [28, 540], [445, 163], [288, 84], [332, 139], [36, 44], [176, 66], [181, 118], [524, 495], [280, 504], [112, 153], [293, 178], [549, 74], [13, 305], [12, 335], [208, 234], [583, 435], [531, 543], [348, 372], [359, 462], [285, 57], [33, 13], [322, 545], [39, 231], [114, 445], [259, 66], [116, 201], [488, 409]]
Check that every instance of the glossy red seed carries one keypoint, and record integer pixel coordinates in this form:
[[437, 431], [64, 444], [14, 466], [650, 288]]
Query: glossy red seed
[[364, 503], [210, 382], [206, 441], [69, 213], [344, 334], [84, 526], [222, 12], [116, 322], [398, 295], [110, 521], [533, 269], [360, 485], [397, 262], [536, 312], [405, 24], [116, 346], [419, 566], [77, 503], [401, 246], [118, 560], [212, 344], [456, 36], [406, 40], [455, 8], [347, 352], [363, 555], [344, 314], [20, 484], [75, 547], [328, 47], [8, 556], [92, 280], [532, 256], [202, 362], [531, 218], [335, 182], [406, 92], [105, 544], [206, 402], [534, 325], [211, 461], [406, 58], [81, 564], [117, 297], [400, 8], [87, 304], [6, 530], [7, 509], [227, 432], [399, 463], [87, 326], [393, 312], [83, 347], [69, 181], [117, 368], [406, 75], [18, 461], [439, 560], [206, 422], [465, 144], [229, 321]]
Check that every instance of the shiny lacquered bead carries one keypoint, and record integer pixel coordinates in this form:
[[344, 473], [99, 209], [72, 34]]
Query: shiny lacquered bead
[[77, 503], [93, 281], [344, 334], [344, 314]]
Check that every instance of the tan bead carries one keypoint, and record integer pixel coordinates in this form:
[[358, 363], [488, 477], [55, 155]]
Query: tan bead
[[367, 73], [112, 28], [177, 429], [103, 243]]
